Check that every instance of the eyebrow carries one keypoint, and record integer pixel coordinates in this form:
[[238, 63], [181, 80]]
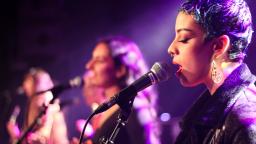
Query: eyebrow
[[101, 57], [184, 29]]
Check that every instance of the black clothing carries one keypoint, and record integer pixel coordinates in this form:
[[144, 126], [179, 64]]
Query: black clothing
[[227, 116], [132, 133]]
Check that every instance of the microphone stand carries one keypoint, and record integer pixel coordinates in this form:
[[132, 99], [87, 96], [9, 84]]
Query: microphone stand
[[122, 120], [36, 121]]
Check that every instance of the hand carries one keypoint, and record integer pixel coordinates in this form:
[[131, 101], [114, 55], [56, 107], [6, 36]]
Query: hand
[[13, 130], [76, 141], [80, 125], [34, 138]]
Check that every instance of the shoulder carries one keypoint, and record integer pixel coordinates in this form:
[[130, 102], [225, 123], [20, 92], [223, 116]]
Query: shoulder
[[240, 123], [245, 106]]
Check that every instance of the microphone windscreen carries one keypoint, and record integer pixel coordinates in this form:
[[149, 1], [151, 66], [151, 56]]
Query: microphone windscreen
[[76, 82], [162, 71]]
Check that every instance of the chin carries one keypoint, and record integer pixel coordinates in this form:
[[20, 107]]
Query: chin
[[187, 83]]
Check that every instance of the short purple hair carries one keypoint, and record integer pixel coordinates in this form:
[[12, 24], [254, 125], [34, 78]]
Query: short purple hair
[[224, 17]]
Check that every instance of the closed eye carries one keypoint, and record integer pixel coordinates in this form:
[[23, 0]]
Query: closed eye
[[185, 40], [100, 59]]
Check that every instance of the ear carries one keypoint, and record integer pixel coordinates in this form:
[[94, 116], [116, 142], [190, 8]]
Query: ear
[[221, 46], [121, 71]]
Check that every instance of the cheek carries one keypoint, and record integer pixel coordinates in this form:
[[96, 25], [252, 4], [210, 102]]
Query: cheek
[[105, 74], [193, 74], [28, 87], [196, 68], [110, 74], [190, 60], [197, 63], [192, 67], [198, 57]]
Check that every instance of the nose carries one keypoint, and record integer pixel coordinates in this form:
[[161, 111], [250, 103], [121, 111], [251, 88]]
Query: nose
[[88, 70], [173, 50], [89, 64]]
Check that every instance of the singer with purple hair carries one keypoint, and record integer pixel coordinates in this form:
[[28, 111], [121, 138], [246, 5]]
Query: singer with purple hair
[[117, 62], [212, 38], [52, 127]]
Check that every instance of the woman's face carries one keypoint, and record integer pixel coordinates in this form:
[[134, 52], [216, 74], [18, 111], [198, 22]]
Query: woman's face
[[101, 67], [191, 53]]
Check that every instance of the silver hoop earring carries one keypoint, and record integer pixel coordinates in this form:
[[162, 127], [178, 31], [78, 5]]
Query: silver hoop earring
[[215, 74]]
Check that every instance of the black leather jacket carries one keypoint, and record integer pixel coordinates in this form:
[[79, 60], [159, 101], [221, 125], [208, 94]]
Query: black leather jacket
[[228, 116]]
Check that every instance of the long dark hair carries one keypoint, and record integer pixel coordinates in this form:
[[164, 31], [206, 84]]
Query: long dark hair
[[126, 52]]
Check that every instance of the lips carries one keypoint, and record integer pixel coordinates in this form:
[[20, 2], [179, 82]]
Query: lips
[[179, 69]]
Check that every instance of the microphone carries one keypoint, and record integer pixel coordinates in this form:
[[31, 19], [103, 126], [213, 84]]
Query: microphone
[[20, 91], [56, 90], [15, 114], [159, 72]]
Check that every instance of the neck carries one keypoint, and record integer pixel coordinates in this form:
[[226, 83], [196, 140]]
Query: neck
[[225, 69]]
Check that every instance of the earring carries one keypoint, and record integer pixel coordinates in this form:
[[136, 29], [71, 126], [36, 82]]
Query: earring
[[215, 74]]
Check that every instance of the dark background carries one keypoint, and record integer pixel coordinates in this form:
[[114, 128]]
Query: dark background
[[59, 35]]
